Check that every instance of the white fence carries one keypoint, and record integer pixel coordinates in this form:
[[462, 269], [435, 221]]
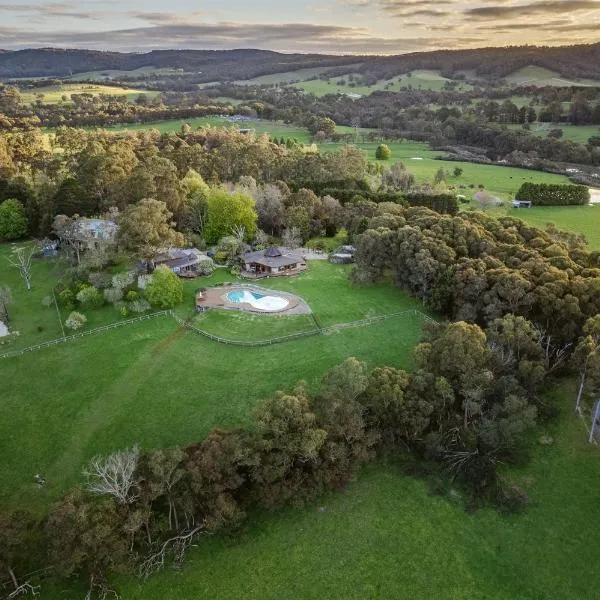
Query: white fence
[[76, 336], [254, 343]]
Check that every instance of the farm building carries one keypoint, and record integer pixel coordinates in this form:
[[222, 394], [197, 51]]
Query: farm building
[[343, 255], [272, 261], [521, 204]]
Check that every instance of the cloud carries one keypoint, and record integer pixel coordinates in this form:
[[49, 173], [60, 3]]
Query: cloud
[[55, 10], [290, 37], [545, 7]]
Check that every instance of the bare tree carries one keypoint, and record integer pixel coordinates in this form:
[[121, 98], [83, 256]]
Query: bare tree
[[176, 547], [239, 232], [20, 258], [101, 591], [24, 589], [114, 475]]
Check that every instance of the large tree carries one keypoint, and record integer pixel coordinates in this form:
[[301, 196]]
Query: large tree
[[146, 227], [228, 212], [13, 222]]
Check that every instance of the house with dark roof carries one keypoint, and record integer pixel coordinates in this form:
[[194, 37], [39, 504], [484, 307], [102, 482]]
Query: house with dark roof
[[186, 262], [272, 261]]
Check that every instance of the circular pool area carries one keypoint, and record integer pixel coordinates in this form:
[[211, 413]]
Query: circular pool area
[[257, 300]]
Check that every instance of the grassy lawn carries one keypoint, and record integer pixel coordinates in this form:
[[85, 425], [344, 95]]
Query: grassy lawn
[[154, 384], [386, 537], [53, 93], [251, 327]]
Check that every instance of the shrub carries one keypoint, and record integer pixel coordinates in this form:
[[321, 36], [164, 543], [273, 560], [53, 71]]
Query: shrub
[[122, 280], [13, 222], [206, 267], [100, 280], [75, 321], [90, 296], [66, 299], [132, 296], [113, 295], [139, 306], [166, 289], [383, 152]]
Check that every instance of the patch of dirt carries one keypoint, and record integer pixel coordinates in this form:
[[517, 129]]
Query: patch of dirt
[[168, 341]]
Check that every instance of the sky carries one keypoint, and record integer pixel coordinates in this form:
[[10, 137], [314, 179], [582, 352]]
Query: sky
[[324, 26]]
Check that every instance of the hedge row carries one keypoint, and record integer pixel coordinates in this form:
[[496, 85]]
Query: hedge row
[[546, 194]]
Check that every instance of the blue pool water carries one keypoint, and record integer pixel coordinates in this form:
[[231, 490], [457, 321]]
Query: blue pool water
[[235, 297], [257, 295]]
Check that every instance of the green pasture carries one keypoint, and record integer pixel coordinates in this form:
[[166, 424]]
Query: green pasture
[[419, 79], [53, 94], [540, 76], [575, 133], [116, 75]]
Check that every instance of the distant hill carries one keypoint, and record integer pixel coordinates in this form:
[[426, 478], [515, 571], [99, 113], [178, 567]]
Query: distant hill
[[214, 65], [574, 62]]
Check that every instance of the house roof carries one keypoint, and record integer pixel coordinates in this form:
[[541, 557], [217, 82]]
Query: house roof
[[273, 257], [97, 228]]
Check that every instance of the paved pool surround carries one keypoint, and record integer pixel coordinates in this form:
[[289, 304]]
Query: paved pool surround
[[254, 299]]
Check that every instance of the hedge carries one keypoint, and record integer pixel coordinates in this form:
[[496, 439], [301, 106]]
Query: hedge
[[546, 194], [442, 203]]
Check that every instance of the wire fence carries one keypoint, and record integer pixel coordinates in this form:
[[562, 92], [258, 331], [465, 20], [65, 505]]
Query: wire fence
[[76, 336]]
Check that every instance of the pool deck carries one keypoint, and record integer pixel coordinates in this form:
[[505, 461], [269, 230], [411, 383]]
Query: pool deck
[[216, 297]]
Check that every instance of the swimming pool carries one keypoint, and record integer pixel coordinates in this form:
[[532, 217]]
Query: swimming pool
[[257, 300]]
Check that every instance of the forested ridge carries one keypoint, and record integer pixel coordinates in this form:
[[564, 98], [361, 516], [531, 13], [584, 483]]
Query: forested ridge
[[223, 65]]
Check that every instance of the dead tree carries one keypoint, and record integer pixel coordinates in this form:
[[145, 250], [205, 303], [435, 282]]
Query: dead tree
[[114, 475], [21, 259], [175, 547]]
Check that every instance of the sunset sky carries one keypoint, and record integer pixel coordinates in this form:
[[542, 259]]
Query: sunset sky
[[333, 26]]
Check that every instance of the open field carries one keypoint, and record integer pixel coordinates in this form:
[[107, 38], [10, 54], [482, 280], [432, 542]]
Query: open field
[[156, 384], [575, 133], [420, 79], [109, 75], [287, 77], [420, 160], [53, 94], [277, 129], [386, 536], [533, 75]]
